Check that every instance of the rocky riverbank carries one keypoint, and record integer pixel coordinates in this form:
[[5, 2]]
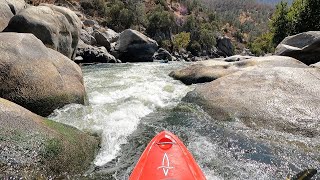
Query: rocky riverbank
[[38, 76], [41, 45]]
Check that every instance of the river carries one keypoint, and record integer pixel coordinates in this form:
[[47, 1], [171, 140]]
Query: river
[[131, 103]]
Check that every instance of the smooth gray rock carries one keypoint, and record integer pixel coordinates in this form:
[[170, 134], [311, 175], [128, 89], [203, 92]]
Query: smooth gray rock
[[57, 27], [5, 14], [105, 37], [304, 47], [134, 46], [36, 77], [207, 71], [284, 99]]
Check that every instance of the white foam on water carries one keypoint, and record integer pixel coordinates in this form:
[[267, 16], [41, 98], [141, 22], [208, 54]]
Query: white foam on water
[[119, 96]]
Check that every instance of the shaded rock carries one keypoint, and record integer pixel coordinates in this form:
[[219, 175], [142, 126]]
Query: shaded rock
[[208, 71], [133, 46], [304, 47], [87, 38], [36, 77], [91, 54], [225, 46], [33, 147], [284, 99], [89, 22], [162, 54], [105, 37], [57, 27]]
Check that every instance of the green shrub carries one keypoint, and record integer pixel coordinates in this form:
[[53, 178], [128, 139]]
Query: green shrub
[[181, 40], [159, 20], [262, 45], [166, 44]]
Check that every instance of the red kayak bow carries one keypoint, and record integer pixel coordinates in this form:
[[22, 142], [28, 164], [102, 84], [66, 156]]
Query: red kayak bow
[[166, 157]]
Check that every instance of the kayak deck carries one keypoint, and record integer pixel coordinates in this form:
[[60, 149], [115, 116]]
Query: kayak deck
[[166, 157]]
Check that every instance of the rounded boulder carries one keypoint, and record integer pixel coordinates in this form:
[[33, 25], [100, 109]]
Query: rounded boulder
[[57, 27], [36, 77]]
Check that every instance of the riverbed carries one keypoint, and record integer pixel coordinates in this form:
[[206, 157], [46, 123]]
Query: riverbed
[[130, 103]]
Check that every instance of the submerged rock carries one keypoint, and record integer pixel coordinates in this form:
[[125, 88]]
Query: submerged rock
[[133, 46], [303, 46], [210, 70], [33, 147], [284, 99], [57, 27], [36, 77]]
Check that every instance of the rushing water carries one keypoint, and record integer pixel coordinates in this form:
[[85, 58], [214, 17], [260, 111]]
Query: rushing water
[[131, 103]]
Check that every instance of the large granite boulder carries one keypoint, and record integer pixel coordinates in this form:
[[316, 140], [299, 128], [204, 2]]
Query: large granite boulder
[[133, 46], [207, 71], [91, 54], [225, 46], [57, 27], [105, 37], [33, 147], [283, 99], [36, 77], [304, 47]]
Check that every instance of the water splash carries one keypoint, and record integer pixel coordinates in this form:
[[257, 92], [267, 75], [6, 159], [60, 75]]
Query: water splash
[[119, 96]]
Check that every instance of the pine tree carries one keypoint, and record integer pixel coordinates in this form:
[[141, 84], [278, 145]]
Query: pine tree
[[279, 22], [309, 18]]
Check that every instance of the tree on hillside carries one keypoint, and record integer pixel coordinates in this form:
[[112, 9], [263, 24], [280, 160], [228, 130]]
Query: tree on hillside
[[160, 24], [309, 17], [279, 22]]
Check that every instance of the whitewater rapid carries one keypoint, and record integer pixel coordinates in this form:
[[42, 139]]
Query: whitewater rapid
[[119, 96]]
